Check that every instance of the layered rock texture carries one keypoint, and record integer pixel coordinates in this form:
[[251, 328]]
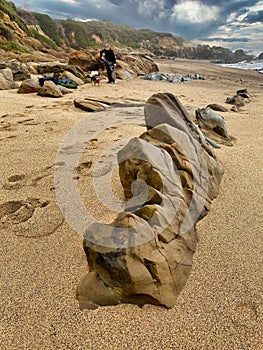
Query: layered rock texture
[[170, 176], [213, 126], [79, 66]]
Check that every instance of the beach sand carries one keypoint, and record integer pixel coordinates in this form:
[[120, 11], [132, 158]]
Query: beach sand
[[221, 306]]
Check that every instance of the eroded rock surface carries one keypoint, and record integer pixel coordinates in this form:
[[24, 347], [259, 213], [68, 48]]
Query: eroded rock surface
[[169, 176], [213, 125]]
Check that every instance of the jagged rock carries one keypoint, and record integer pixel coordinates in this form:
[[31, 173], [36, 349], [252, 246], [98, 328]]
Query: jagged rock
[[157, 76], [140, 64], [32, 67], [213, 125], [124, 71], [51, 67], [237, 101], [20, 71], [50, 89], [7, 73], [28, 86], [6, 79], [72, 77], [3, 65], [64, 90], [77, 71], [85, 60], [128, 65], [169, 180], [244, 93]]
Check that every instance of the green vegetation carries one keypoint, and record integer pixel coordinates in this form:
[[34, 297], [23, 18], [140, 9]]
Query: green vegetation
[[43, 39], [49, 27], [12, 46], [79, 34], [5, 32], [75, 34], [7, 7]]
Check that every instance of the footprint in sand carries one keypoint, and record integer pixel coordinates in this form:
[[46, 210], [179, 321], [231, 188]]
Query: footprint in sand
[[245, 314], [49, 125], [30, 218], [18, 181], [7, 137], [84, 166], [30, 121], [4, 125], [14, 182]]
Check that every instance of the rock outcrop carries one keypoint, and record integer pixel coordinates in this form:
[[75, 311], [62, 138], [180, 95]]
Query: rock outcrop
[[80, 64], [50, 89], [213, 125], [28, 86], [169, 176], [7, 80], [128, 65]]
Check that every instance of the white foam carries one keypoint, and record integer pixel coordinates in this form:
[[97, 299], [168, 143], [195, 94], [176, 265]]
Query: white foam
[[250, 65]]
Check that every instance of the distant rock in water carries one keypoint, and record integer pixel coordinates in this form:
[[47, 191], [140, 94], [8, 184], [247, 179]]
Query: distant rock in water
[[170, 176], [171, 78]]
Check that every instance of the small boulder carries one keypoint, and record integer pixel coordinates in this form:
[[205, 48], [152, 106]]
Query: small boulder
[[20, 71], [6, 80], [50, 89], [88, 105], [29, 86], [71, 76]]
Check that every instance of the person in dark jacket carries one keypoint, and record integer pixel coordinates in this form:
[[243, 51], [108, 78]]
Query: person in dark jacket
[[108, 56]]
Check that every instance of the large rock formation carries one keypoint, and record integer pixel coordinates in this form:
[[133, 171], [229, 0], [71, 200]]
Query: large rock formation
[[170, 176], [128, 65]]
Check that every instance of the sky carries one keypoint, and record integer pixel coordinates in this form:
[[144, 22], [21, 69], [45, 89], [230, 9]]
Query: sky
[[234, 24]]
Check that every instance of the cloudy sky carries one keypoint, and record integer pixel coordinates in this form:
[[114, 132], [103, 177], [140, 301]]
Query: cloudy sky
[[235, 24]]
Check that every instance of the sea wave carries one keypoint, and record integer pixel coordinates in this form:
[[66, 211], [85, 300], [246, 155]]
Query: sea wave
[[249, 65]]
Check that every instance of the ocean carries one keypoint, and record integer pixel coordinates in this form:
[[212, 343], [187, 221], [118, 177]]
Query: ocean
[[250, 65]]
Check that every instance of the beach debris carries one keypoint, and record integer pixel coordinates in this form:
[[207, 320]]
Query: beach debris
[[157, 76], [170, 176], [213, 125]]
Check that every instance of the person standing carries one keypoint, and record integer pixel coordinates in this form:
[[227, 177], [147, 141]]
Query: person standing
[[108, 56]]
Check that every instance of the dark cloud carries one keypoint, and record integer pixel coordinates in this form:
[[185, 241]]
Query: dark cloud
[[229, 40], [254, 17]]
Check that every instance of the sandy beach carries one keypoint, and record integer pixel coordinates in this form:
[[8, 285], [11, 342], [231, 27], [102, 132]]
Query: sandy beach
[[42, 259]]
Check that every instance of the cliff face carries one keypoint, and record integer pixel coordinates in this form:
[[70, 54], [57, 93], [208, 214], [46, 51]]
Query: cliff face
[[24, 31]]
